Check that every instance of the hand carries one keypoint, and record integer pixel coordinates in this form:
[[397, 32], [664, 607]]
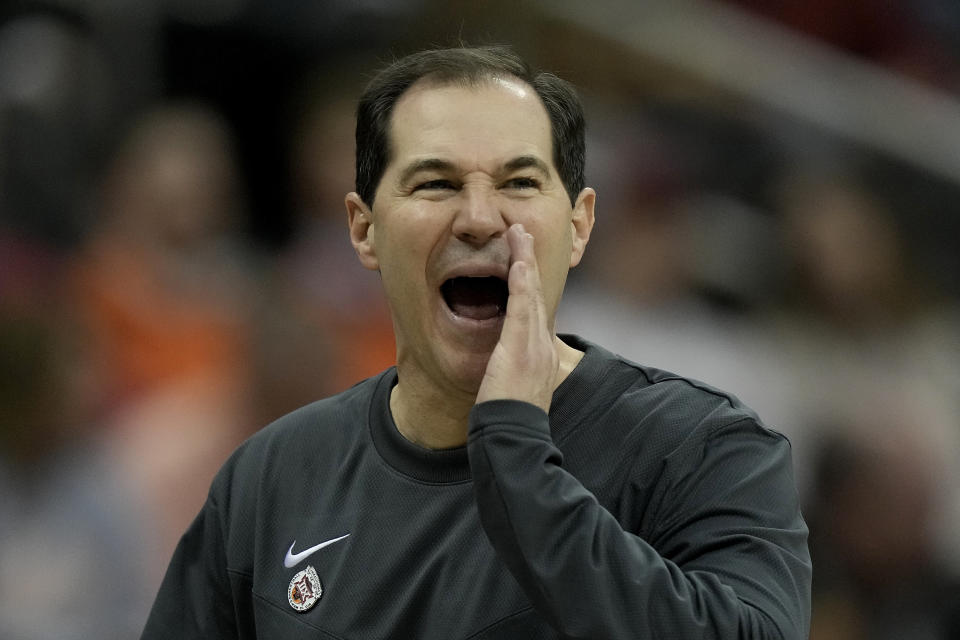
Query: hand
[[524, 364]]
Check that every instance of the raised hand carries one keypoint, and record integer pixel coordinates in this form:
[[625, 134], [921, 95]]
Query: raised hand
[[524, 364]]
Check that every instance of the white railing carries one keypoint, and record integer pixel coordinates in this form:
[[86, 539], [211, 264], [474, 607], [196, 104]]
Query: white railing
[[777, 67]]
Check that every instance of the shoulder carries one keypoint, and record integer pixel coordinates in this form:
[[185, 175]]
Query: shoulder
[[306, 438], [666, 410], [693, 400]]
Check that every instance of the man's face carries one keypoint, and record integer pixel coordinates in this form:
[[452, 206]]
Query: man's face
[[466, 163]]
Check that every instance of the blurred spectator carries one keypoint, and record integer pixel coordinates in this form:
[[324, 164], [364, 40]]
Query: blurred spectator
[[29, 380], [861, 327], [164, 290], [856, 309], [74, 545], [881, 471], [325, 321], [849, 269], [163, 282], [57, 102]]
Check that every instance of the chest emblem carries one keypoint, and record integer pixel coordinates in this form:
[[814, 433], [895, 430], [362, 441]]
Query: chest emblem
[[293, 559], [304, 590]]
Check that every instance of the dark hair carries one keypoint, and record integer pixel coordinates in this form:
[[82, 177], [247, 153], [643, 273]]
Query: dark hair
[[469, 66]]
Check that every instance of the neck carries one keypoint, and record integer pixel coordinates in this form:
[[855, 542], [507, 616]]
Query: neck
[[436, 417]]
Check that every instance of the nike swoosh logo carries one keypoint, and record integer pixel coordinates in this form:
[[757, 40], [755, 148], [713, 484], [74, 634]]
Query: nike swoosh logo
[[292, 559]]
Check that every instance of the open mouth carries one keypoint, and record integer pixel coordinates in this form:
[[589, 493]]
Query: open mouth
[[476, 298]]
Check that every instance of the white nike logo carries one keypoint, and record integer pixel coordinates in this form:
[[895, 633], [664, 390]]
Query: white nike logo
[[292, 559]]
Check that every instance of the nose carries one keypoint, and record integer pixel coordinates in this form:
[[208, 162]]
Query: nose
[[479, 217]]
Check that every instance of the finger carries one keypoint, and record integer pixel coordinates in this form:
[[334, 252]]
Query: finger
[[526, 321], [518, 300], [522, 280], [520, 249]]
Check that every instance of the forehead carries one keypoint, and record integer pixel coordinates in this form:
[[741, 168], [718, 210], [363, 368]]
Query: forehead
[[502, 117]]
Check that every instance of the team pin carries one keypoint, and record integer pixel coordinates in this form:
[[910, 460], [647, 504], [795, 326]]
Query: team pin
[[304, 590]]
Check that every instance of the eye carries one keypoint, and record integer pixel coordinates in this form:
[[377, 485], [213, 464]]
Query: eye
[[522, 183], [434, 185]]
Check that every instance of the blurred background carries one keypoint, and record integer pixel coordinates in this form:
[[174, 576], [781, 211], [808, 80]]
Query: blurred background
[[778, 215]]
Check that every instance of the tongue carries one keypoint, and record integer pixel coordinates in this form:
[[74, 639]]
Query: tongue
[[476, 311], [475, 298]]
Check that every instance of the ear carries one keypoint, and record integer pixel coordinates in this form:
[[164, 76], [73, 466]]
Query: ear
[[582, 223], [360, 219]]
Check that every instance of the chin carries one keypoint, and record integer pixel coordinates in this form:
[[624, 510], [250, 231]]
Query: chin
[[456, 366], [466, 371]]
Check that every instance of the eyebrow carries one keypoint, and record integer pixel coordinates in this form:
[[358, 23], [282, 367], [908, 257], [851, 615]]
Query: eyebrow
[[427, 164], [527, 162], [436, 164]]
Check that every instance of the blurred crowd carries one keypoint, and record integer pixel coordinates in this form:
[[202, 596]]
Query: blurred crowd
[[167, 287]]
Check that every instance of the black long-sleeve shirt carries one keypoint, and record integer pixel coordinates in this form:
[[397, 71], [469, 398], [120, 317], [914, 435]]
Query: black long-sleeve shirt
[[644, 506]]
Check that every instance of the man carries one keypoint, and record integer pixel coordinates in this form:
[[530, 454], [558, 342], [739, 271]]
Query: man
[[501, 481]]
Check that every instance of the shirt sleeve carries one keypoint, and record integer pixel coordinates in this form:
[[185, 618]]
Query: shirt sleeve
[[195, 598], [726, 556]]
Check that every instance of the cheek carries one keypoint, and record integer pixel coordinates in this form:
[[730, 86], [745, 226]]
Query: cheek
[[405, 248], [553, 259], [553, 245]]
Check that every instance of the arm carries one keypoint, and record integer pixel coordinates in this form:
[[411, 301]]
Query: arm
[[727, 559], [195, 600]]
